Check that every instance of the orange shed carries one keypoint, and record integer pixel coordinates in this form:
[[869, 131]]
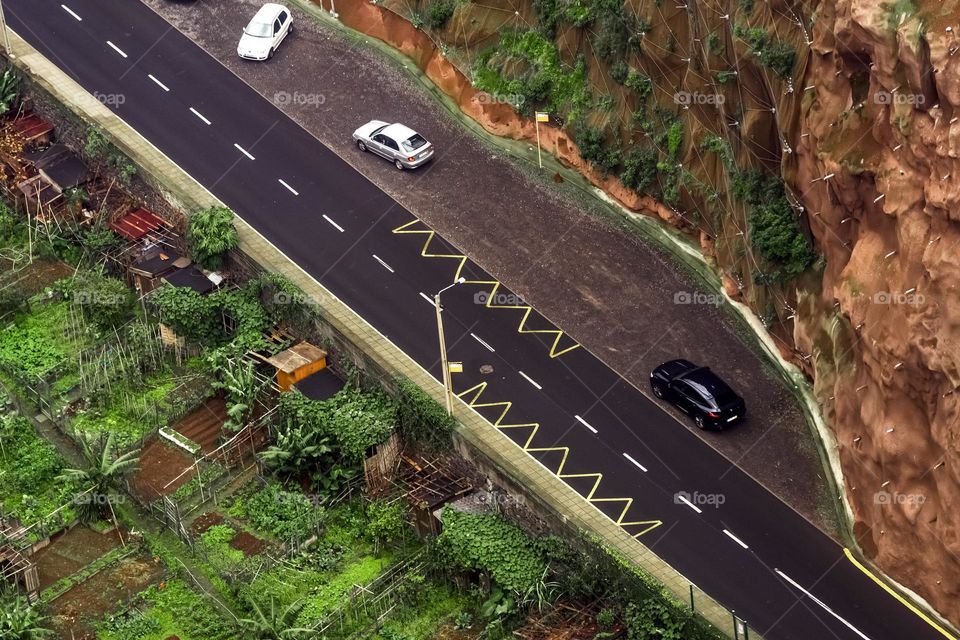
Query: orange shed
[[297, 363]]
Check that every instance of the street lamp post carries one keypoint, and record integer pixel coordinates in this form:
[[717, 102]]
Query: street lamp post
[[447, 381]]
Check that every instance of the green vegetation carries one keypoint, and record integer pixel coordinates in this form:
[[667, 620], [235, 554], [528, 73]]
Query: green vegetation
[[777, 56], [640, 169], [273, 510], [40, 343], [421, 418], [774, 227], [21, 621], [172, 610], [98, 481], [105, 302], [211, 234], [536, 74], [9, 90], [29, 466], [489, 543], [593, 146], [99, 149], [440, 13]]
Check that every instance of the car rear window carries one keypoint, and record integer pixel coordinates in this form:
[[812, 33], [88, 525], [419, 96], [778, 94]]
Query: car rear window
[[259, 29], [414, 142], [710, 387]]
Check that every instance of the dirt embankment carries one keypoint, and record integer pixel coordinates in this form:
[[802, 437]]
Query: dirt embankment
[[881, 121]]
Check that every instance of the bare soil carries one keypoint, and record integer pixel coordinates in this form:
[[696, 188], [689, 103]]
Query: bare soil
[[555, 247], [36, 276], [243, 541], [74, 613], [160, 464], [70, 552]]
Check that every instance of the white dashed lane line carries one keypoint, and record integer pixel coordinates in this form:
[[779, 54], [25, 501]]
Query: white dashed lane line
[[159, 84], [683, 499], [334, 224], [485, 345], [383, 264], [289, 188], [428, 299], [530, 380], [820, 602], [199, 115], [587, 425], [635, 463], [736, 539], [71, 12], [243, 151], [116, 48]]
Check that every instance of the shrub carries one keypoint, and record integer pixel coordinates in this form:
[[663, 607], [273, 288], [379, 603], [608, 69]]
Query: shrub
[[422, 419], [211, 233], [619, 71], [190, 314], [674, 139], [776, 56], [593, 148], [106, 302], [640, 83], [640, 169], [491, 544], [440, 13]]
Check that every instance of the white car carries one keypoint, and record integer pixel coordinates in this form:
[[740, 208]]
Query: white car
[[265, 32], [398, 143]]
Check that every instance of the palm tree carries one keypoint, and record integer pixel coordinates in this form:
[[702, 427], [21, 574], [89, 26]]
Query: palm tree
[[100, 480], [20, 621], [9, 90], [274, 623]]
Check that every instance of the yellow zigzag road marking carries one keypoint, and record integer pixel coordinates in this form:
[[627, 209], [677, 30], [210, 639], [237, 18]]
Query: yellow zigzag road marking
[[527, 309], [473, 402]]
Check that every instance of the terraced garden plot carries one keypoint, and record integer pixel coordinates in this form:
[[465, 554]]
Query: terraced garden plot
[[70, 552]]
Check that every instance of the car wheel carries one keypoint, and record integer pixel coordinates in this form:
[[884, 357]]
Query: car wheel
[[361, 146], [700, 422], [658, 391], [270, 55], [399, 165]]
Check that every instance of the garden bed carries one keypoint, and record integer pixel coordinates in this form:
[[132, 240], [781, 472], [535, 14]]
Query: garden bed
[[70, 552], [74, 613]]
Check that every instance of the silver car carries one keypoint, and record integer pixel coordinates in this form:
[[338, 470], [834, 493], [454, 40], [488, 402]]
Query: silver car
[[398, 143]]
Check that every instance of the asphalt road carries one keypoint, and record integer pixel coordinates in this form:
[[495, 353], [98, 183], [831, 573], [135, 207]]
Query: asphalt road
[[752, 552]]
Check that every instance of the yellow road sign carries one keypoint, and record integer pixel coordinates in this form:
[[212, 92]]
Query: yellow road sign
[[543, 117]]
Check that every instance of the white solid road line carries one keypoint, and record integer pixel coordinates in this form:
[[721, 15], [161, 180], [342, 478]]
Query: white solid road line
[[640, 466], [335, 225], [428, 299], [116, 48], [736, 539], [71, 12], [684, 500], [289, 188], [487, 346], [384, 264], [587, 425], [243, 151], [199, 115], [820, 602], [531, 380]]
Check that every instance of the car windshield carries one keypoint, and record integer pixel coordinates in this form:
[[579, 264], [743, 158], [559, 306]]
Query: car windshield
[[414, 142], [259, 29]]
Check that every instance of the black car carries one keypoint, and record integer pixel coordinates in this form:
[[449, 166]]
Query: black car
[[699, 392]]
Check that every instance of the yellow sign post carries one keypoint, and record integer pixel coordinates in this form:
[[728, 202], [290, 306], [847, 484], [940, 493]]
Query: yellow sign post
[[541, 117], [456, 367]]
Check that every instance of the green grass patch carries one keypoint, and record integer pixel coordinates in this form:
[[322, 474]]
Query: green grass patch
[[173, 609]]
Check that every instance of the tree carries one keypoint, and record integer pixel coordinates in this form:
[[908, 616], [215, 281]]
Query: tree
[[242, 386], [99, 480], [211, 234], [274, 623], [20, 621]]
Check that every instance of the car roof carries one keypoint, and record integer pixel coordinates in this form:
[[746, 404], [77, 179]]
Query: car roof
[[398, 132], [268, 12], [706, 379]]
